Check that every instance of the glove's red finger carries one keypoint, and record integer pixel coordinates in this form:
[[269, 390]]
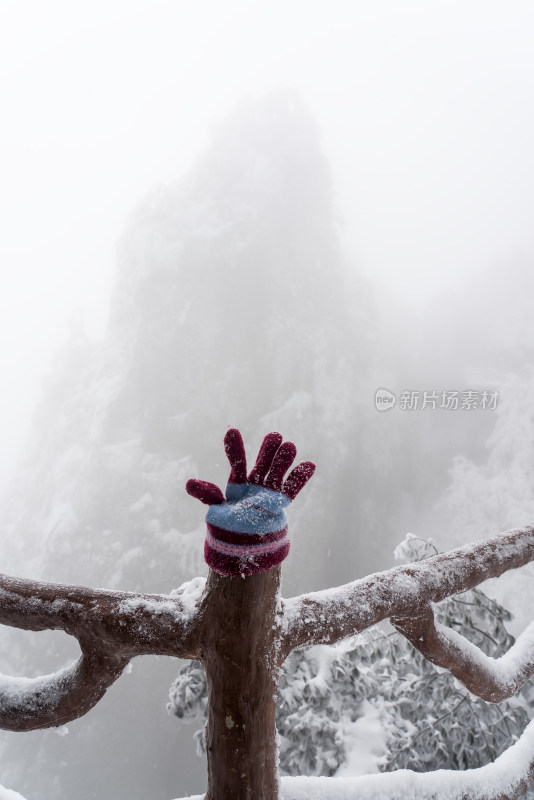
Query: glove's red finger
[[298, 478], [268, 449], [283, 459], [235, 451], [205, 492]]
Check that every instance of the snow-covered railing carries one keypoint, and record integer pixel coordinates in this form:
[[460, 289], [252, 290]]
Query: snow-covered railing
[[239, 627], [242, 631]]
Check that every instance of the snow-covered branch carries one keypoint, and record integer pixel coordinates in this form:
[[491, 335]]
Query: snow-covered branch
[[111, 627], [51, 700], [327, 616], [492, 679]]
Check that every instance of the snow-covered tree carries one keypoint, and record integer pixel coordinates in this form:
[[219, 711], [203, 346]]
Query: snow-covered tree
[[239, 627], [495, 492]]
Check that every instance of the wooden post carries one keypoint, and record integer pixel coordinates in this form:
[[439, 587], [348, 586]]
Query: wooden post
[[240, 651]]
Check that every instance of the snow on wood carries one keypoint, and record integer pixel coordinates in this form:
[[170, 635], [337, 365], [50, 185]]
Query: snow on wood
[[111, 627], [325, 617], [493, 679]]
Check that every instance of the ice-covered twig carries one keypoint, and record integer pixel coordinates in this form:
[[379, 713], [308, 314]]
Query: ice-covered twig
[[111, 627], [492, 679], [327, 616]]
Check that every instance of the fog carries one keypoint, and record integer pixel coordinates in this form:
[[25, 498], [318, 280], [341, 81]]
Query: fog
[[424, 111], [253, 215]]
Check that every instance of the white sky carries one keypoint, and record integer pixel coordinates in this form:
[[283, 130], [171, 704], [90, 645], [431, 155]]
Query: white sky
[[426, 112]]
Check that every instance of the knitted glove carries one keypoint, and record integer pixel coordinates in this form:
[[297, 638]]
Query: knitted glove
[[247, 530]]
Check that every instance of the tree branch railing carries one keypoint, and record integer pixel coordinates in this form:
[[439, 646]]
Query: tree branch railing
[[325, 617], [492, 679], [111, 628], [241, 629], [114, 627]]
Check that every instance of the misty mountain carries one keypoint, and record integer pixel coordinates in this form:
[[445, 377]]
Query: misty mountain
[[233, 305]]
